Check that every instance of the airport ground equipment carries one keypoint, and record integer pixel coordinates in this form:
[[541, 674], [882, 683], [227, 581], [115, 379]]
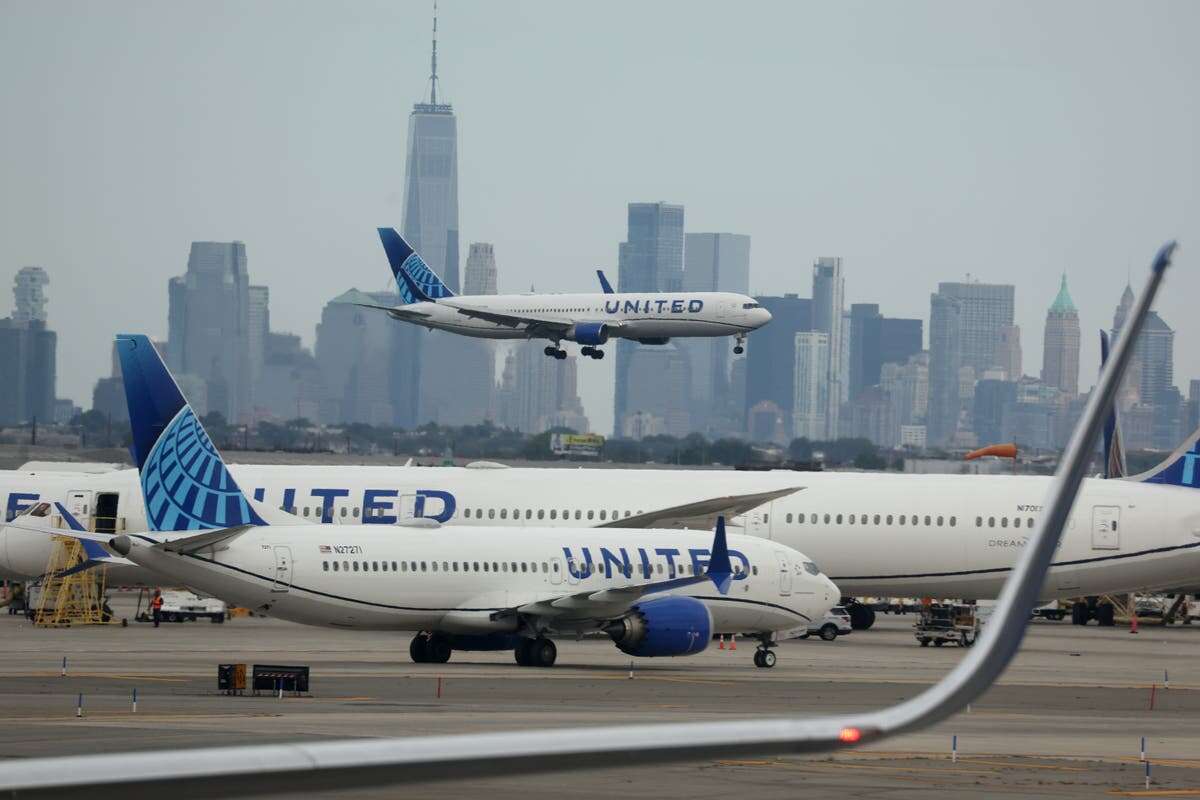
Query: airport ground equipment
[[185, 606], [231, 678], [307, 767], [66, 596], [944, 623]]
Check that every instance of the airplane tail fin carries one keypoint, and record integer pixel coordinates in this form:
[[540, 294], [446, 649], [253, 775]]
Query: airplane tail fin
[[604, 284], [415, 280], [1114, 450], [185, 484]]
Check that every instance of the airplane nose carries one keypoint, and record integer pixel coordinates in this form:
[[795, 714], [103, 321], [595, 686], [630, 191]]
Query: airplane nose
[[764, 316]]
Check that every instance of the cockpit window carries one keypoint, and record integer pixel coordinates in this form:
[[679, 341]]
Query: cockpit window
[[811, 568], [750, 305]]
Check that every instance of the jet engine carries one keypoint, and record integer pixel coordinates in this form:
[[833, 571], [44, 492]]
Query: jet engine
[[591, 333], [668, 626]]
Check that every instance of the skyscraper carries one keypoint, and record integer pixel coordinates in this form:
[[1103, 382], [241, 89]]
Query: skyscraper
[[538, 393], [456, 373], [714, 262], [1153, 369], [1060, 349], [650, 260], [771, 358], [965, 323], [812, 386], [28, 353], [1008, 351], [431, 181], [480, 275], [259, 327], [209, 324], [828, 305], [876, 340]]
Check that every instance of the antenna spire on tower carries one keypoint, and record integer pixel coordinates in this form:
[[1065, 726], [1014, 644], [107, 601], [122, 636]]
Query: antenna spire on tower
[[433, 78]]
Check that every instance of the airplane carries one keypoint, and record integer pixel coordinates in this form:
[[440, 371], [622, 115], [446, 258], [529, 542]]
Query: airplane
[[589, 319], [480, 589], [219, 772]]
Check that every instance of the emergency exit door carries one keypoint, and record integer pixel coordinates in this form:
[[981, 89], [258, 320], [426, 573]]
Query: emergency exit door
[[1106, 523], [785, 573], [283, 569]]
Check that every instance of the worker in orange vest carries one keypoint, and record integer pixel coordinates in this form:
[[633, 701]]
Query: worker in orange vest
[[156, 606]]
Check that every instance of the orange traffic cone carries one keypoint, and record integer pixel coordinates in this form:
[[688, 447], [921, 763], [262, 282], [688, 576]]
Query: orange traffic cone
[[733, 642], [722, 647], [1133, 623]]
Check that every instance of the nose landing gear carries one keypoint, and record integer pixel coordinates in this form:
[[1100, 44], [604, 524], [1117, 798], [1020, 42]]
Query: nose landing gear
[[764, 656], [740, 346]]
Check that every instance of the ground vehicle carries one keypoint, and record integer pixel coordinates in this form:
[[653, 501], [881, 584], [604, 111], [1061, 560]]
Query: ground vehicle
[[179, 606], [836, 622], [954, 623], [1051, 610]]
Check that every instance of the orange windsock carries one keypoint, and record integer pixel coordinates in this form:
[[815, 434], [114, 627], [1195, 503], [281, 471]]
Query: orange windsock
[[1001, 450]]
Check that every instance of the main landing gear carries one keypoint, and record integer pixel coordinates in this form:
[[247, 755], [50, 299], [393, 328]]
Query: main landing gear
[[429, 648], [538, 652], [764, 656], [592, 352], [555, 351], [740, 346]]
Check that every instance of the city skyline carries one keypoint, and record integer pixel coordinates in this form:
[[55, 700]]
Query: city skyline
[[304, 205]]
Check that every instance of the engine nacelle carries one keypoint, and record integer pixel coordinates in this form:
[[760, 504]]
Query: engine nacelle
[[668, 626], [591, 333]]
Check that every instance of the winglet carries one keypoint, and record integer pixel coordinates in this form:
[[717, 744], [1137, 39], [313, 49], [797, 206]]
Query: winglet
[[604, 284], [1162, 259], [720, 570]]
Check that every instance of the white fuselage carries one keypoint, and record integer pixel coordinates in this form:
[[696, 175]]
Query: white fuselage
[[873, 534], [458, 580], [652, 315]]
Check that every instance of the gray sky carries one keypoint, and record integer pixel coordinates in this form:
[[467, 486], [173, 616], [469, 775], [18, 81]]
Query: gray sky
[[921, 141]]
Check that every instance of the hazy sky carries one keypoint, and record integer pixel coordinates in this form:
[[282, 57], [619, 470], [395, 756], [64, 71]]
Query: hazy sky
[[921, 141]]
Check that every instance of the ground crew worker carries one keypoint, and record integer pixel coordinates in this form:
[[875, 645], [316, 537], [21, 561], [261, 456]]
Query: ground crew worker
[[156, 606]]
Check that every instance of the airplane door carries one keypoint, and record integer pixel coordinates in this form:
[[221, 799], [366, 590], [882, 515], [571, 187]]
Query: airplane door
[[785, 573], [572, 571], [1106, 534], [283, 569], [758, 521], [555, 571], [80, 505], [406, 507]]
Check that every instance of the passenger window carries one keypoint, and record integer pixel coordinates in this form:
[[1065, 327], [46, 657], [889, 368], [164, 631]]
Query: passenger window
[[766, 518], [979, 522], [475, 566], [553, 513], [325, 565], [902, 517], [940, 521], [578, 514], [345, 566], [524, 567], [335, 566], [590, 513], [991, 522], [889, 519], [851, 519], [541, 514], [343, 512], [355, 565], [603, 514], [306, 511], [1031, 522], [754, 569], [445, 566], [876, 519], [485, 567], [356, 512], [1004, 522], [1016, 522], [839, 519], [529, 513], [495, 567], [788, 519], [383, 566], [375, 566], [393, 566], [952, 521], [928, 521], [423, 566], [504, 513], [491, 513], [826, 519]]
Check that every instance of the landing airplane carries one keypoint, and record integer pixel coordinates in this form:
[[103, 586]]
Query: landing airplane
[[304, 766], [483, 589], [589, 319]]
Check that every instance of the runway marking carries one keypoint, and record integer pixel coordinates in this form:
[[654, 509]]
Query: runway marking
[[1156, 793], [835, 765], [159, 678], [1009, 765]]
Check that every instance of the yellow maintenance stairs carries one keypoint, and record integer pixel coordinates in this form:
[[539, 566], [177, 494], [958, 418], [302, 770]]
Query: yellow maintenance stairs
[[71, 599]]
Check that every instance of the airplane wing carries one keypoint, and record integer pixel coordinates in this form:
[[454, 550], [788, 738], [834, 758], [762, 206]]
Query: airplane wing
[[534, 326], [312, 766], [701, 513], [608, 603]]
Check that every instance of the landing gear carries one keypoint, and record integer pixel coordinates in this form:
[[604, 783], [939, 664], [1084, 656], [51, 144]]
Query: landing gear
[[740, 346], [862, 616], [555, 352], [591, 352], [1105, 615], [764, 656], [535, 653], [429, 648], [1080, 614]]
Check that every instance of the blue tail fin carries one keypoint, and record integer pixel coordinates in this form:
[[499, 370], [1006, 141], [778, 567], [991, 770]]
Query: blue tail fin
[[185, 483], [1114, 451], [423, 284], [604, 284], [720, 570]]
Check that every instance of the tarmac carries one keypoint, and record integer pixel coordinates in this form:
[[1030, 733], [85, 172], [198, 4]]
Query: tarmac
[[1066, 720]]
